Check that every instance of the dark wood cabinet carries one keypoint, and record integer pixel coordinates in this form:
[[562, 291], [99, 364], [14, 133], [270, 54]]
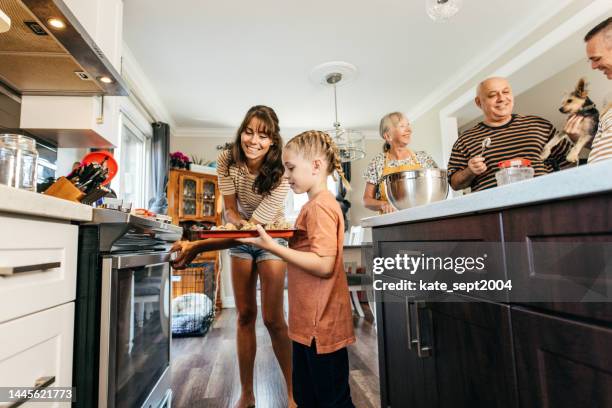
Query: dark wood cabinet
[[559, 255], [471, 341], [561, 362], [539, 345], [406, 384]]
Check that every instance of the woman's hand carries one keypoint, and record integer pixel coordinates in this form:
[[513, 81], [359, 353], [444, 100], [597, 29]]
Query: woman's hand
[[387, 208], [263, 241], [186, 252]]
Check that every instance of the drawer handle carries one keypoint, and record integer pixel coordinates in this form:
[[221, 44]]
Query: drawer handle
[[11, 270], [39, 384]]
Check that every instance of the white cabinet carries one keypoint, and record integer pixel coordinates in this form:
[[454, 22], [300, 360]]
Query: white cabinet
[[37, 265], [103, 21], [72, 121], [38, 347]]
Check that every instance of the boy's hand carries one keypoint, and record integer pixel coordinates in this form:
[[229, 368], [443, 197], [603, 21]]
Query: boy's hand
[[263, 241]]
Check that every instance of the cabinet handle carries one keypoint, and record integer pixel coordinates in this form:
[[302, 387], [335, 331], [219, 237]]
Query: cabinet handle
[[11, 270], [422, 351], [411, 341], [39, 384]]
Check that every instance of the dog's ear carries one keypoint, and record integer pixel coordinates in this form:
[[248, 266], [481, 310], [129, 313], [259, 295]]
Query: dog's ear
[[581, 90]]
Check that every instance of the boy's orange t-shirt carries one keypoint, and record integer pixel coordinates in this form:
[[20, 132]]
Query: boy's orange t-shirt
[[320, 308]]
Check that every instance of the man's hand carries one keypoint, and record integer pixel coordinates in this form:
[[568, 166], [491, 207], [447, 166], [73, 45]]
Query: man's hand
[[186, 252], [476, 165], [573, 127], [263, 241], [387, 208]]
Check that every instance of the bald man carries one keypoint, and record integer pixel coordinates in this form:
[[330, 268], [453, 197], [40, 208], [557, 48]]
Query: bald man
[[512, 136]]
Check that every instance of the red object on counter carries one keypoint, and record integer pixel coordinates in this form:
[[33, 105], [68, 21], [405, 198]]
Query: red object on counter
[[514, 163], [244, 234], [100, 157]]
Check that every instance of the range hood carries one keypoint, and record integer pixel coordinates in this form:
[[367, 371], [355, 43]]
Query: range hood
[[38, 59]]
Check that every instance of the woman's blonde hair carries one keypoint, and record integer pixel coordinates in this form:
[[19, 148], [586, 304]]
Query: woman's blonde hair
[[389, 120], [315, 143]]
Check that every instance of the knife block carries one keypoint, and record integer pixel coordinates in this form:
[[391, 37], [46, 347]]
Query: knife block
[[63, 188]]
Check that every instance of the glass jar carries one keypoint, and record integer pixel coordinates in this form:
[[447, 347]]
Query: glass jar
[[7, 163], [25, 160], [513, 170]]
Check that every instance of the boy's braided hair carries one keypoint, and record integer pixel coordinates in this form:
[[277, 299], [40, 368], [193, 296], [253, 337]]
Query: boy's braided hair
[[315, 143]]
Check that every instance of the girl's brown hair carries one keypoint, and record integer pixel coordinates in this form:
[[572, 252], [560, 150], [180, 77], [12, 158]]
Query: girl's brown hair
[[271, 171], [314, 143]]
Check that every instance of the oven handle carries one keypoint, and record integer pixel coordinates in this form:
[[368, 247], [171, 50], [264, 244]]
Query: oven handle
[[137, 260]]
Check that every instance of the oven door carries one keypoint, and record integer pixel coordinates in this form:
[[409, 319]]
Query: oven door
[[134, 328]]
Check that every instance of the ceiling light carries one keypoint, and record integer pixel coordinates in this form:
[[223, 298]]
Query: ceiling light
[[105, 79], [56, 23], [351, 143], [5, 22], [442, 10]]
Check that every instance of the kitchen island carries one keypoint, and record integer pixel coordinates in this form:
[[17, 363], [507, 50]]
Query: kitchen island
[[537, 344]]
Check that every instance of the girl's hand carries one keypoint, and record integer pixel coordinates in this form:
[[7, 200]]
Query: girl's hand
[[263, 241], [186, 252]]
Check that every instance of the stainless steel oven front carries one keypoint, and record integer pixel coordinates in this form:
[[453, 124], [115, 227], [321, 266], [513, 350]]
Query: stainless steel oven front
[[135, 336]]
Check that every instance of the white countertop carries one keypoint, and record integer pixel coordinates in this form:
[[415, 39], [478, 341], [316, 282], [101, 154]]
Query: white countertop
[[583, 180], [13, 200]]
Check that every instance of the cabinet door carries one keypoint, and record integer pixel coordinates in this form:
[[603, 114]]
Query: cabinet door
[[472, 353], [559, 255], [207, 199], [561, 363], [402, 375], [189, 205]]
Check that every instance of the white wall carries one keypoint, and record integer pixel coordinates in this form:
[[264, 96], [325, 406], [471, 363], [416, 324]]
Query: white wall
[[429, 123]]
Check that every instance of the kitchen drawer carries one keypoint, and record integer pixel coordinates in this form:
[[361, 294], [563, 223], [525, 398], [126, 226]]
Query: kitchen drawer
[[33, 244], [36, 346], [559, 256], [444, 241]]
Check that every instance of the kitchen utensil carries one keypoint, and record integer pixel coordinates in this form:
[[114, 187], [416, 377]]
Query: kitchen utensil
[[411, 188], [18, 161], [103, 158], [485, 145], [513, 170], [285, 233]]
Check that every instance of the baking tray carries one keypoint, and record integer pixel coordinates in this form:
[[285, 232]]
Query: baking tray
[[284, 233]]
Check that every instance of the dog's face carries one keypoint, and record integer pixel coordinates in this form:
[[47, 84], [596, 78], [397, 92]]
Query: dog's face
[[575, 100]]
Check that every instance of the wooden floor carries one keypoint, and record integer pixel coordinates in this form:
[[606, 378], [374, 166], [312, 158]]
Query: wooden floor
[[205, 369]]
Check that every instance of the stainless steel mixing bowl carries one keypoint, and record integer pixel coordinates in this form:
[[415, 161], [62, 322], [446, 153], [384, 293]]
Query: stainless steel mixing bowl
[[410, 188]]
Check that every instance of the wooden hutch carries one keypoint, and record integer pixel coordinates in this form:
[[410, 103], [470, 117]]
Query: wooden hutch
[[194, 198]]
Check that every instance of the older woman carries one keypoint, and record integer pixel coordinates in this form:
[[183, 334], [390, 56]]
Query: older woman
[[397, 133]]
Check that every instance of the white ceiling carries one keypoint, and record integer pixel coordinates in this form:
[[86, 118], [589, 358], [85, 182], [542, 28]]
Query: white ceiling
[[209, 61]]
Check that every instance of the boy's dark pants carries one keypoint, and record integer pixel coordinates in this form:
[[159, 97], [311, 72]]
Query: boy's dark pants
[[320, 380]]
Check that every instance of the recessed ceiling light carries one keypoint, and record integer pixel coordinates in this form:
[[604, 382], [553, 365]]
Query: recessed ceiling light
[[56, 23], [105, 79]]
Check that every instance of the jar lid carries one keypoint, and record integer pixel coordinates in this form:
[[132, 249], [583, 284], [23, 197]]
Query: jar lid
[[514, 163]]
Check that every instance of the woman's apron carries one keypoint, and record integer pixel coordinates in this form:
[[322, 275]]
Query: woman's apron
[[382, 188]]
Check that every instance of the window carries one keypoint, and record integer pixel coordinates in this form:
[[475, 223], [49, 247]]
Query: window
[[132, 165], [294, 202]]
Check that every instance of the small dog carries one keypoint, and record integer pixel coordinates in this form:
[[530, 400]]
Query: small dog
[[579, 104]]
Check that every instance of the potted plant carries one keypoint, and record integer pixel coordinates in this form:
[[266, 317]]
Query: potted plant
[[179, 160]]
